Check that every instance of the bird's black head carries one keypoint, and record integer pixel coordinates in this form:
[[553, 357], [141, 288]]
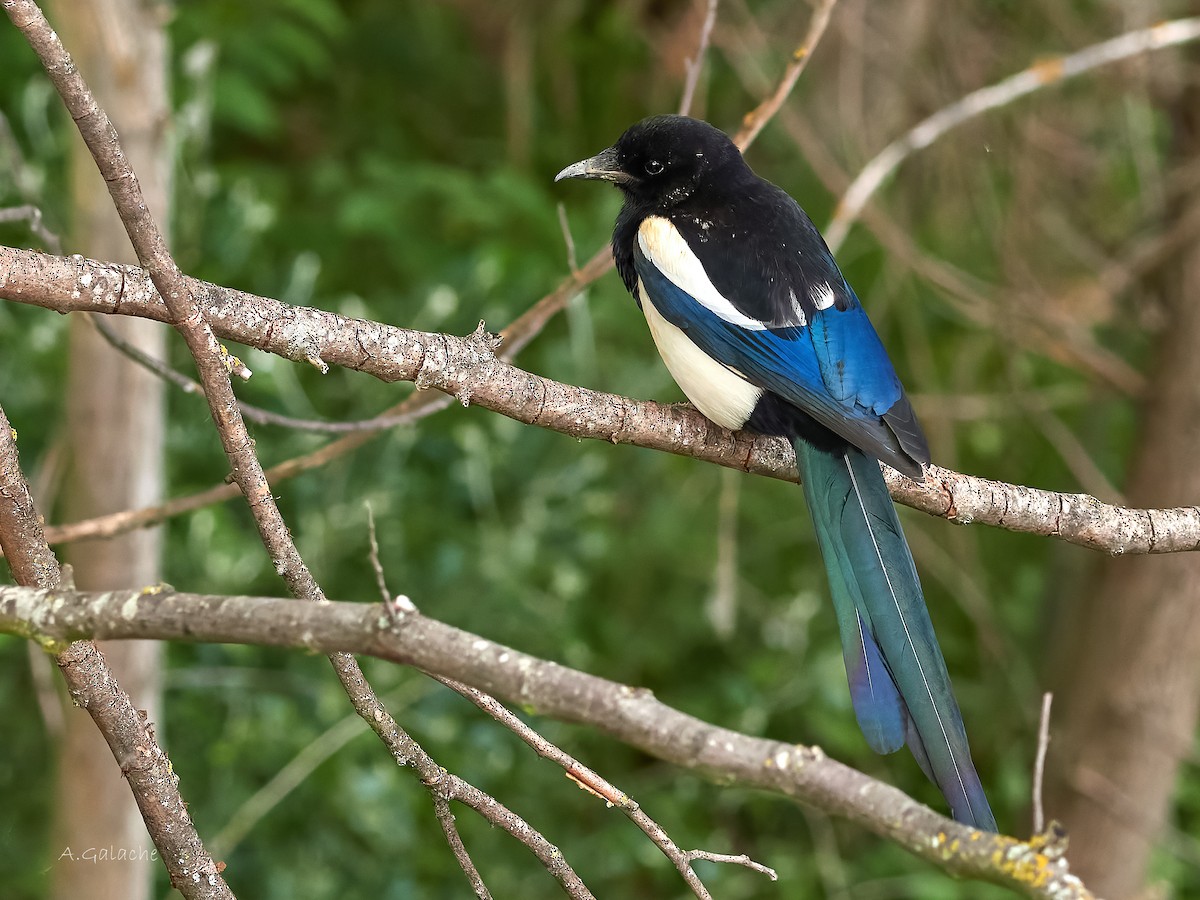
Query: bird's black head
[[663, 160]]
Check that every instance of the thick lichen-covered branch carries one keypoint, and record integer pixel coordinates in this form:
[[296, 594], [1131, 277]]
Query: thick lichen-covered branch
[[1035, 868]]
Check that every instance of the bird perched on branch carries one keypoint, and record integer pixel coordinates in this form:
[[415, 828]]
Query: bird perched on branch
[[759, 328]]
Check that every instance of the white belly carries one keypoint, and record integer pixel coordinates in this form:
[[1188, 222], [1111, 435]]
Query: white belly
[[721, 394]]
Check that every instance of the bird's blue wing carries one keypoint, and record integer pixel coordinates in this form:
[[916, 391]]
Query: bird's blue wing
[[855, 369], [829, 362]]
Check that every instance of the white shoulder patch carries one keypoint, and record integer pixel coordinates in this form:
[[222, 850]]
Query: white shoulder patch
[[669, 252], [821, 295]]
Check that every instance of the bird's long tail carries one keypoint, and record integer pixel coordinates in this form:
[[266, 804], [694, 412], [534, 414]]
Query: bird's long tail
[[898, 681]]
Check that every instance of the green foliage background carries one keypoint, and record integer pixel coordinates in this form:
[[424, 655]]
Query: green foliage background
[[394, 160]]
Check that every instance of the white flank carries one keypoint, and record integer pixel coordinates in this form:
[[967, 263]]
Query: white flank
[[668, 250], [821, 295], [721, 394]]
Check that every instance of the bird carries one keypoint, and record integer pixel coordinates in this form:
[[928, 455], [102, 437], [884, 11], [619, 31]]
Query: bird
[[761, 331]]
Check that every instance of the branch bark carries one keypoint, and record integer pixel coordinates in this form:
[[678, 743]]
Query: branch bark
[[143, 763], [468, 368], [1034, 868]]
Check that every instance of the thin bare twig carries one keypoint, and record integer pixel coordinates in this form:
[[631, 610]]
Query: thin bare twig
[[441, 806], [143, 359], [565, 226], [255, 414], [1039, 763], [442, 784], [695, 63], [412, 409], [373, 555], [1037, 76], [757, 119], [445, 817], [740, 859], [37, 225], [594, 783]]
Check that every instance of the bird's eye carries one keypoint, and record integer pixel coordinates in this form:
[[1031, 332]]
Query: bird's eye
[[654, 167]]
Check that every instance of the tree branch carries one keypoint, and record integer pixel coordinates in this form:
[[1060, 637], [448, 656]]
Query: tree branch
[[630, 714], [412, 409], [695, 63], [596, 784], [249, 412], [37, 226], [756, 120], [214, 366], [469, 369], [443, 786], [1040, 74], [143, 763], [516, 336]]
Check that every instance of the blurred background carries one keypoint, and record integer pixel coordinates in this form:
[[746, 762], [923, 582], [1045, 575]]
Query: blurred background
[[1032, 274]]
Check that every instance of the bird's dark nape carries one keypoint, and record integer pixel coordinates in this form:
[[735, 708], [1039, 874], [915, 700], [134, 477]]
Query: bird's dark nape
[[759, 328]]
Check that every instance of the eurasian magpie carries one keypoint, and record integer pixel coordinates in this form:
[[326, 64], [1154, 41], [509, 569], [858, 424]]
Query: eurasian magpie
[[759, 328]]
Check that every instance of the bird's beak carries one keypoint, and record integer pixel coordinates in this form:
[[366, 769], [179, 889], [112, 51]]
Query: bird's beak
[[603, 166]]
